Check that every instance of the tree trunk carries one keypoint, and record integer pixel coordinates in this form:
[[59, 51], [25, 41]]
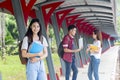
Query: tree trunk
[[2, 35]]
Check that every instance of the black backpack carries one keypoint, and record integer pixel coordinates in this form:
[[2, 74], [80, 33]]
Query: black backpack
[[60, 50]]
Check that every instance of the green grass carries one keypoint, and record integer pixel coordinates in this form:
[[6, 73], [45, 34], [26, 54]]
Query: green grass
[[12, 69], [117, 43]]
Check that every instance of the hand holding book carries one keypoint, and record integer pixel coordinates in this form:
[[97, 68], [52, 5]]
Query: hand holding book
[[35, 48], [93, 48]]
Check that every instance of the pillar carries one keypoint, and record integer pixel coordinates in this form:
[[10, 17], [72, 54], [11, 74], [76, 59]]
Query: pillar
[[49, 58]]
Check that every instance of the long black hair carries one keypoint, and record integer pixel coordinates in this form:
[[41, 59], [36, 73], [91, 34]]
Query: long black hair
[[29, 32], [99, 35]]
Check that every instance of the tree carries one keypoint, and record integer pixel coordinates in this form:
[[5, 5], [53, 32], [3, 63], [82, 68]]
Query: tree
[[11, 26], [9, 41], [118, 16]]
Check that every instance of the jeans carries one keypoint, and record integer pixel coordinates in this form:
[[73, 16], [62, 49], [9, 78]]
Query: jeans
[[35, 71], [68, 67], [93, 68]]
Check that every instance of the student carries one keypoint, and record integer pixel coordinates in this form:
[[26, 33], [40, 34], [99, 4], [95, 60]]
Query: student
[[95, 55], [69, 57], [35, 66]]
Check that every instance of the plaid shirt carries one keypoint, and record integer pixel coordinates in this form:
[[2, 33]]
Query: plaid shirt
[[68, 43]]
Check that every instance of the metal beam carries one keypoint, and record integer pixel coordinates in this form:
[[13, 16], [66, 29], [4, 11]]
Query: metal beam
[[18, 13], [104, 21], [96, 16], [58, 40], [83, 6], [95, 12], [99, 20], [49, 58]]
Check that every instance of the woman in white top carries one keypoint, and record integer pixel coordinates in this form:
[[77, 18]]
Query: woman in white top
[[95, 55], [35, 66]]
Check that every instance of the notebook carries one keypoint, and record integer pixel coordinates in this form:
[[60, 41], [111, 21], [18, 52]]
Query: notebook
[[81, 42], [35, 48], [93, 47]]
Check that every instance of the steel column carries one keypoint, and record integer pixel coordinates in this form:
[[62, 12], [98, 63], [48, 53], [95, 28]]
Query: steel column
[[18, 13], [49, 58], [57, 36]]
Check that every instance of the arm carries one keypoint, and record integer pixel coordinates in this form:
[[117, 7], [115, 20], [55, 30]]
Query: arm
[[44, 52], [43, 56], [25, 47], [87, 50], [27, 55], [66, 41], [73, 51]]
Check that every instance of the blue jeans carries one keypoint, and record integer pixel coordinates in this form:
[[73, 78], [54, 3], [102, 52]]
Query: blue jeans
[[93, 68], [35, 71], [68, 67]]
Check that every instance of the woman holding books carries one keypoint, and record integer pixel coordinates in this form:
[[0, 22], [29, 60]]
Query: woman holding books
[[95, 53], [34, 47]]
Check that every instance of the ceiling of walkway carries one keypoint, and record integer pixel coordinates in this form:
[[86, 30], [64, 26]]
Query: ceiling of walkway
[[99, 13]]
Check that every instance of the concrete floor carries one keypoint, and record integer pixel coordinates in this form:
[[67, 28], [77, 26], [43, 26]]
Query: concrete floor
[[107, 69]]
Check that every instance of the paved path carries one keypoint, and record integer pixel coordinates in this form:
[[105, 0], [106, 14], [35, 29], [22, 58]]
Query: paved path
[[107, 68]]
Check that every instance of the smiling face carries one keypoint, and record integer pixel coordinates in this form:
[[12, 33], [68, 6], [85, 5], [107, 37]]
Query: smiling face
[[35, 27]]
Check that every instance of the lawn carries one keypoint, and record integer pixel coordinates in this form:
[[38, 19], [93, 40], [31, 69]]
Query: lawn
[[12, 69]]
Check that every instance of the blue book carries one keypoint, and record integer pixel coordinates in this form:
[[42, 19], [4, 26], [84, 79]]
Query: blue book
[[35, 48]]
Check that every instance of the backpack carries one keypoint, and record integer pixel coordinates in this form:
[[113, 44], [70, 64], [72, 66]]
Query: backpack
[[22, 59], [61, 49]]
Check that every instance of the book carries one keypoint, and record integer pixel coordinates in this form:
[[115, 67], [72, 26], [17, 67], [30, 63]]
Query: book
[[93, 47], [35, 48], [80, 42]]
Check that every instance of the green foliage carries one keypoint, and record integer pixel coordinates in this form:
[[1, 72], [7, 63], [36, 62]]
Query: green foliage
[[11, 35], [8, 39], [11, 26], [53, 41], [117, 43], [61, 33], [118, 16], [51, 32], [118, 25]]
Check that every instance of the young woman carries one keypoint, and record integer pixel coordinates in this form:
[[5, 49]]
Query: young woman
[[95, 55], [35, 66]]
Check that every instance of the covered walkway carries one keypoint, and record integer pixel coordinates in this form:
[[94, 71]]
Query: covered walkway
[[107, 69]]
